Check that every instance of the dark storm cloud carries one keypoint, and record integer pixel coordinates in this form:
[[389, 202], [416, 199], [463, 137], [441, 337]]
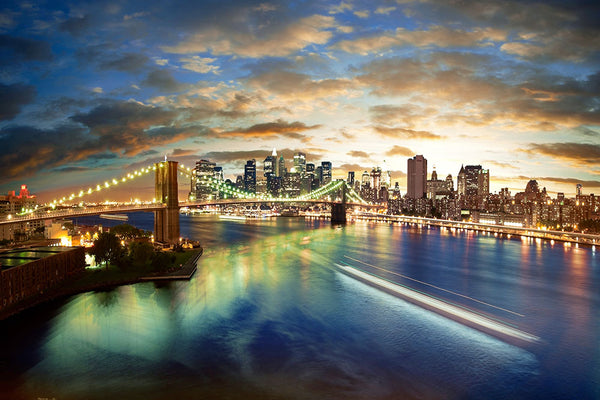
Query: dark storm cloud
[[13, 98], [17, 49]]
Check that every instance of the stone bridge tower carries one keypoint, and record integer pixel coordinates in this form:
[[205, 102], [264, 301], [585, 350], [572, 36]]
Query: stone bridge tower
[[338, 210], [166, 221]]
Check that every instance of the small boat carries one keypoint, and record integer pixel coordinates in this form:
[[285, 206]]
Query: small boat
[[119, 217]]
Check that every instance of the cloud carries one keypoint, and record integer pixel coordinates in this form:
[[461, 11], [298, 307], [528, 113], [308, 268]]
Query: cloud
[[128, 62], [76, 25], [578, 153], [384, 10], [199, 64], [240, 156], [163, 80], [273, 40], [295, 85], [114, 129], [459, 87], [13, 98], [435, 36], [358, 154], [362, 14], [182, 152], [279, 127], [404, 133], [573, 181], [22, 49], [400, 151], [25, 150]]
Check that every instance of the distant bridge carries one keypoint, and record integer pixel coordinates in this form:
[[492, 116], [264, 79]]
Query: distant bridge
[[166, 204]]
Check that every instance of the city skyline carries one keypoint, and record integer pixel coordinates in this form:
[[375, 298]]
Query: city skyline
[[92, 91]]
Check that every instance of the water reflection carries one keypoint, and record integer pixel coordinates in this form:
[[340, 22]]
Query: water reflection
[[266, 316]]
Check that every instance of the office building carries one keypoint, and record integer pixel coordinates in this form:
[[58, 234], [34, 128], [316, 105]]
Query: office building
[[416, 177], [250, 176]]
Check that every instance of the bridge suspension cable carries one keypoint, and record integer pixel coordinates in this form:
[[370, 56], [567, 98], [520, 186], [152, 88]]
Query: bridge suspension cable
[[230, 191], [110, 183]]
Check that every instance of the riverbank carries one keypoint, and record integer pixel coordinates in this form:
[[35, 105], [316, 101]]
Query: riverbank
[[497, 230], [105, 279]]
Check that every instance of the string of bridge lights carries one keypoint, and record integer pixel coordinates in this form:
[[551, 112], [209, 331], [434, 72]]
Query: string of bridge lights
[[227, 188], [230, 190], [92, 189]]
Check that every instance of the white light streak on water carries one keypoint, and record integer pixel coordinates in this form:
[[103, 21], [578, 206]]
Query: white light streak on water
[[466, 315]]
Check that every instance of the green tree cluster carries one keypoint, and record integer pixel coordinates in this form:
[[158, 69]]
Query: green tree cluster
[[107, 249]]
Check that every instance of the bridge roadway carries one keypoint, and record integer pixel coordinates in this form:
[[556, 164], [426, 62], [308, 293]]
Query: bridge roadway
[[122, 208]]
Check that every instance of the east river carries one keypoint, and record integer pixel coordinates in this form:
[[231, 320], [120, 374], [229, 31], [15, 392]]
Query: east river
[[268, 316]]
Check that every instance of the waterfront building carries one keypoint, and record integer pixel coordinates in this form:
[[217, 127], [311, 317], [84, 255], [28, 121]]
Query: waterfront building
[[24, 274], [416, 177], [13, 204]]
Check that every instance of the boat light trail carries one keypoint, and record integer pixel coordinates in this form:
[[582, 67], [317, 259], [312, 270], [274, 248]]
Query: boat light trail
[[437, 287], [471, 318]]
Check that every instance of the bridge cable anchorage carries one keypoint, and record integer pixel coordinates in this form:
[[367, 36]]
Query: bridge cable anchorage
[[91, 190]]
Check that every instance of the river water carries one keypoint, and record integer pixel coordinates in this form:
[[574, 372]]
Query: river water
[[268, 316]]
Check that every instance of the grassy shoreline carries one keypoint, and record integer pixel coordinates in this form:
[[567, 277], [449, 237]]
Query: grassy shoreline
[[104, 279]]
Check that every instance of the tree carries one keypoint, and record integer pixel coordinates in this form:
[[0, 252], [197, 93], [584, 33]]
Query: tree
[[140, 252], [107, 248], [162, 260], [126, 231]]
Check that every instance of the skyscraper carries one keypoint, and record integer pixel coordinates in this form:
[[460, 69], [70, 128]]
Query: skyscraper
[[250, 176], [416, 177], [201, 188], [270, 164], [483, 183], [281, 170], [350, 179], [326, 166], [300, 162], [376, 182]]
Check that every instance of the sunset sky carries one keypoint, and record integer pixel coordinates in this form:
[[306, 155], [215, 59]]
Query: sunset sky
[[92, 90]]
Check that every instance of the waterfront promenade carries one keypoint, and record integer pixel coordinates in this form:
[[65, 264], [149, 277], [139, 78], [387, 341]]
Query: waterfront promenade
[[568, 237]]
